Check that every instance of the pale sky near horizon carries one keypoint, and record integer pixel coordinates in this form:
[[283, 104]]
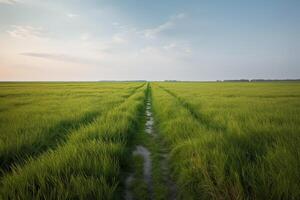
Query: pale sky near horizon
[[148, 40]]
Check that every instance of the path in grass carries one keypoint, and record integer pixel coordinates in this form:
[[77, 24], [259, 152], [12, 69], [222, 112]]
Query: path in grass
[[150, 178]]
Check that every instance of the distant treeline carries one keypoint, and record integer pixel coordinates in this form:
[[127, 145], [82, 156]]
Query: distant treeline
[[171, 80], [240, 80], [258, 80], [122, 81]]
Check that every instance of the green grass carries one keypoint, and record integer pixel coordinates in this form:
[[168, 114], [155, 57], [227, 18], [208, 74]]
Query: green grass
[[232, 140], [37, 117], [87, 165], [224, 140]]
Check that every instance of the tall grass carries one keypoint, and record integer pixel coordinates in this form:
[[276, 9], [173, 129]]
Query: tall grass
[[254, 151], [226, 140], [37, 117], [87, 166]]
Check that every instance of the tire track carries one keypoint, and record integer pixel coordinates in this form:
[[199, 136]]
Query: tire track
[[203, 120]]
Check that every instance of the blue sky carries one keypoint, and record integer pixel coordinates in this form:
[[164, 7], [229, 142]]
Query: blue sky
[[153, 40]]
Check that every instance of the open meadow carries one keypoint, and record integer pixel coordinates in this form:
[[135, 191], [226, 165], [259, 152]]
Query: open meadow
[[232, 140], [155, 140]]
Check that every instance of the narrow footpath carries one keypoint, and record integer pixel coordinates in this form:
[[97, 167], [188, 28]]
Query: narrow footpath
[[150, 176]]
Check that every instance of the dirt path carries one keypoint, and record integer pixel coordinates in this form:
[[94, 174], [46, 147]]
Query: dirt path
[[154, 170]]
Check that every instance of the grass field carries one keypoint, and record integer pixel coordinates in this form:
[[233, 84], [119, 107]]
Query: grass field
[[232, 140], [213, 140]]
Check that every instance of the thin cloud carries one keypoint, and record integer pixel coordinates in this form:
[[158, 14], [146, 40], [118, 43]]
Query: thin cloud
[[72, 15], [153, 32], [118, 39], [61, 57], [178, 47], [9, 2], [25, 31]]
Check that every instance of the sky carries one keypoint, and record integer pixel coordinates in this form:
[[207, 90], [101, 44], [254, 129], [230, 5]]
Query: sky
[[91, 40]]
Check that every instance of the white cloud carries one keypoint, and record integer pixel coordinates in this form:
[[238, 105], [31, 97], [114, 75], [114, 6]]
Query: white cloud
[[118, 39], [9, 2], [72, 15], [153, 32], [170, 46], [179, 47], [123, 47], [22, 32], [62, 57]]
